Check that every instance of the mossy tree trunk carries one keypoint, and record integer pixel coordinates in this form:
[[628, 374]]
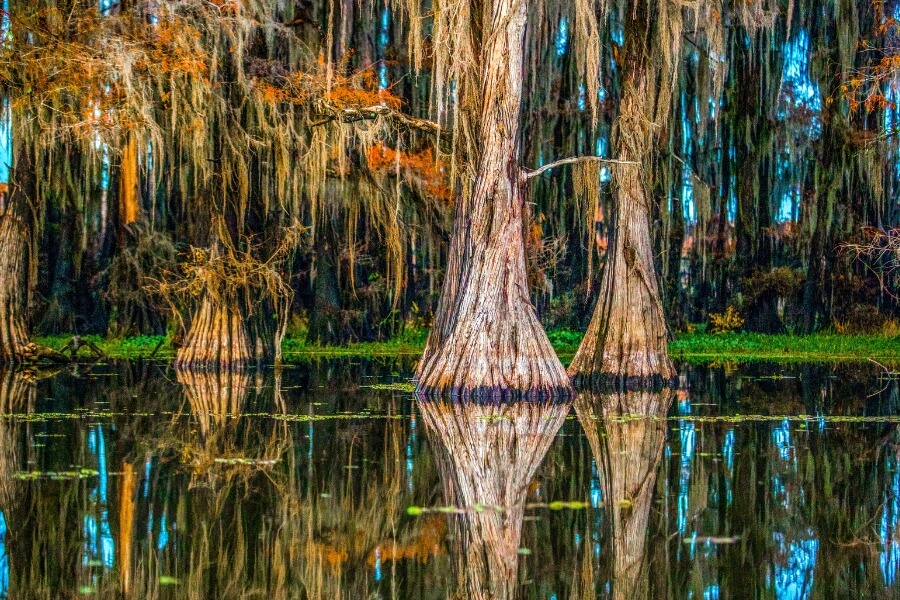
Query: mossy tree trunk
[[487, 455], [217, 337], [486, 335], [16, 228], [627, 337], [755, 88], [325, 323], [627, 434]]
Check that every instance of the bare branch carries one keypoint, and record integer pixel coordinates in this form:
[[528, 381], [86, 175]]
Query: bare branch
[[528, 173], [370, 113]]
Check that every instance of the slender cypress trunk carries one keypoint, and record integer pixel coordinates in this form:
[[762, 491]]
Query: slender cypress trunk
[[129, 187], [674, 295], [15, 231], [627, 337], [486, 335], [628, 452], [325, 325]]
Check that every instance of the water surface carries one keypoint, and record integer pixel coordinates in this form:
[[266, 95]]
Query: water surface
[[754, 481]]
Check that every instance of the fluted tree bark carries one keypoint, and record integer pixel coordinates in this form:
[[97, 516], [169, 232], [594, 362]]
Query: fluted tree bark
[[486, 335], [16, 229], [627, 337]]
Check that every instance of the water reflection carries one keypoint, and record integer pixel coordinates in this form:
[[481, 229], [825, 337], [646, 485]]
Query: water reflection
[[17, 392], [137, 482], [627, 433], [488, 454]]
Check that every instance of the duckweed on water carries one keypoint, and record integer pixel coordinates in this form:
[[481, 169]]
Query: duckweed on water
[[397, 387], [477, 508], [55, 475]]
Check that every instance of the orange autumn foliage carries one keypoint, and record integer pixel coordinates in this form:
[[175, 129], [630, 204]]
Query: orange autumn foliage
[[361, 90], [420, 168], [422, 545], [427, 543]]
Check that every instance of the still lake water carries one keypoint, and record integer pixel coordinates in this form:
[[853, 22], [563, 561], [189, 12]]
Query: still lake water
[[753, 481]]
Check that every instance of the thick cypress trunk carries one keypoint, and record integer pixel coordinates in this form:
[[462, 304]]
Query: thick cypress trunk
[[627, 434], [239, 316], [15, 230], [218, 337], [486, 335], [627, 337], [487, 454]]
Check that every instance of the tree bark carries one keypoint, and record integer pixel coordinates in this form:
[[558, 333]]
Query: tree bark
[[627, 338], [487, 454], [325, 326], [16, 226], [217, 338], [486, 336], [627, 434]]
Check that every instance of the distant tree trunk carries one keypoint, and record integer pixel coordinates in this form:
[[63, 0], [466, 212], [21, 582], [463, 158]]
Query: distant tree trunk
[[16, 226], [673, 294], [627, 434], [486, 335], [487, 455], [226, 332], [238, 302], [129, 187], [325, 325], [627, 337]]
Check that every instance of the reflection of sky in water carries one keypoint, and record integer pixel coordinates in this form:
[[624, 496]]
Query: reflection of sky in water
[[688, 438], [794, 563], [794, 580], [98, 540], [889, 557], [4, 559], [728, 457], [596, 503]]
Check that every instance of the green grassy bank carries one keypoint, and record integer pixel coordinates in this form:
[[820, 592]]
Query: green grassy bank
[[700, 347]]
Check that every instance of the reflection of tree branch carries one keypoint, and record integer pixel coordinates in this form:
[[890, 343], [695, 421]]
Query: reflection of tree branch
[[487, 455]]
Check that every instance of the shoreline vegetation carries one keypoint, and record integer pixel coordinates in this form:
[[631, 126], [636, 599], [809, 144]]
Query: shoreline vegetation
[[691, 347]]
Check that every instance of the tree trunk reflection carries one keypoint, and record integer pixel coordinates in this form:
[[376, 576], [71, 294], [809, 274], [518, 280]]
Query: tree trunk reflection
[[627, 433], [487, 455]]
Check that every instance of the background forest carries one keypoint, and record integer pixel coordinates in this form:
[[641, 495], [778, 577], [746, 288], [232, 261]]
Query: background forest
[[297, 161]]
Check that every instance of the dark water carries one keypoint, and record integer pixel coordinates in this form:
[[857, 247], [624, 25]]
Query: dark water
[[759, 481]]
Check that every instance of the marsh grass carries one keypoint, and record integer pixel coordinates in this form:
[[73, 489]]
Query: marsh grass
[[691, 347]]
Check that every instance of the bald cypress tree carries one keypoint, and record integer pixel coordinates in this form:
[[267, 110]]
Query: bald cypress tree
[[627, 336]]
